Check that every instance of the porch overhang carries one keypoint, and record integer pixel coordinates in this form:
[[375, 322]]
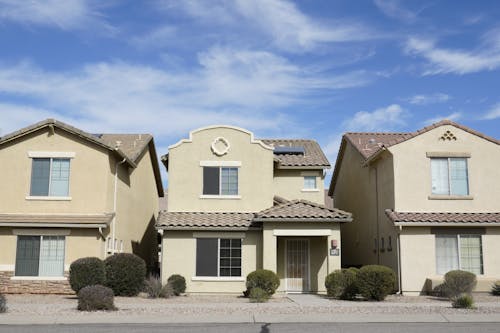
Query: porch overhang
[[86, 221]]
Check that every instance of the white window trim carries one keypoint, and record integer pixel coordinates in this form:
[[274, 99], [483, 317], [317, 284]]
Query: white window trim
[[310, 190], [449, 196], [217, 278], [222, 196], [315, 189], [227, 164], [47, 198], [51, 154]]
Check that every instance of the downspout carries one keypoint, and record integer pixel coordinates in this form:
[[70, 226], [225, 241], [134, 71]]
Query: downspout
[[113, 223], [377, 212], [400, 279]]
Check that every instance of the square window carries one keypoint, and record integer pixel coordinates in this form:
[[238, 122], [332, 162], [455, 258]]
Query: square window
[[40, 256], [50, 177], [449, 176], [218, 257], [220, 181], [310, 182]]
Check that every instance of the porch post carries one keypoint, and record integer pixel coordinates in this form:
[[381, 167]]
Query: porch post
[[269, 249]]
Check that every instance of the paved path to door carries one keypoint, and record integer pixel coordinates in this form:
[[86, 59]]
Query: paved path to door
[[309, 300]]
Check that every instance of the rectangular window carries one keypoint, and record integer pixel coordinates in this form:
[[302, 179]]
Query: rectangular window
[[50, 177], [40, 256], [220, 181], [459, 251], [218, 257], [449, 176], [310, 182]]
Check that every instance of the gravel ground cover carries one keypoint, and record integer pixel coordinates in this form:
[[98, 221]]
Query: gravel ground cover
[[46, 305]]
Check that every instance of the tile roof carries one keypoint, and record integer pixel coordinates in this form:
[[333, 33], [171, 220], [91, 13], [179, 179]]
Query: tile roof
[[302, 211], [132, 145], [202, 220], [57, 220], [313, 157], [426, 218]]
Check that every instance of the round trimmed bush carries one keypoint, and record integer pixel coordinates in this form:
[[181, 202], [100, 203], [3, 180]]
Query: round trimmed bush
[[95, 298], [125, 273], [258, 295], [264, 279], [495, 289], [178, 284], [3, 303], [375, 282], [463, 302], [342, 283], [86, 272], [459, 282]]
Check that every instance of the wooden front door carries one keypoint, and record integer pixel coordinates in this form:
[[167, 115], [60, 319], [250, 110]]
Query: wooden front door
[[297, 265]]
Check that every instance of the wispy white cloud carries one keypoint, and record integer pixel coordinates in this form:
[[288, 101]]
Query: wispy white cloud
[[428, 99], [493, 113], [65, 15], [485, 57], [245, 88], [280, 21], [394, 9], [452, 116], [381, 119]]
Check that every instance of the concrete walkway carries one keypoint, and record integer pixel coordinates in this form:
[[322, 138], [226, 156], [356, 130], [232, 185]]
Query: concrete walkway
[[309, 300]]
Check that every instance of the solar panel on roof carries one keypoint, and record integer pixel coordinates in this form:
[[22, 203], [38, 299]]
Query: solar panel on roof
[[289, 150]]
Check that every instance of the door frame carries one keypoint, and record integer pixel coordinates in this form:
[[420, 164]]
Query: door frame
[[308, 285]]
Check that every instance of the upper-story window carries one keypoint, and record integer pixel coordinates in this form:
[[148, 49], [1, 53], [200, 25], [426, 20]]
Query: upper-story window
[[310, 183], [450, 176], [220, 181], [50, 177]]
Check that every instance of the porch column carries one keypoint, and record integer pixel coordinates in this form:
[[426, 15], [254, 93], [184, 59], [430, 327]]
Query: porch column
[[334, 260], [269, 249]]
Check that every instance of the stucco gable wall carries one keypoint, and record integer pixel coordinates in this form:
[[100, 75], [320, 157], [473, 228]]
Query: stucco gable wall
[[412, 172], [186, 174], [90, 175]]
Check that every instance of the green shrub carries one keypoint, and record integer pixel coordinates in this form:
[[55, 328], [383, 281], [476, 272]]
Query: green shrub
[[375, 282], [178, 283], [463, 301], [495, 289], [459, 282], [3, 303], [86, 272], [258, 295], [167, 291], [125, 273], [95, 298], [264, 279], [342, 283]]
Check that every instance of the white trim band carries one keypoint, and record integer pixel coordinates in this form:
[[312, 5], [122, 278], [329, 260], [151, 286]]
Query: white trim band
[[220, 163], [216, 196], [302, 232], [48, 198], [219, 278], [8, 268], [51, 154], [41, 232], [208, 234]]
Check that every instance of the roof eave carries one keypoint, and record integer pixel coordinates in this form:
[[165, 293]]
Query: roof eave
[[54, 225], [205, 228], [446, 224], [306, 220]]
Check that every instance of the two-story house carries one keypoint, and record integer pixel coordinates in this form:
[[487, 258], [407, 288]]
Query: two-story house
[[424, 203], [237, 204], [68, 194]]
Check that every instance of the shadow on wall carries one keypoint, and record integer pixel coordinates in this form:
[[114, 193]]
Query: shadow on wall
[[147, 247]]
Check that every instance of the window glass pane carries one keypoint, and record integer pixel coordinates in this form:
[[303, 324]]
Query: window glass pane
[[27, 255], [225, 271], [446, 253], [310, 182], [40, 175], [471, 258], [59, 180], [52, 256], [458, 176], [229, 181], [206, 256], [211, 180], [225, 243], [439, 168]]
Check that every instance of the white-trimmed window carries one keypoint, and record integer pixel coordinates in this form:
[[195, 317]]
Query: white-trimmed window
[[220, 180], [450, 176], [459, 251], [218, 257], [310, 183], [40, 256], [50, 177]]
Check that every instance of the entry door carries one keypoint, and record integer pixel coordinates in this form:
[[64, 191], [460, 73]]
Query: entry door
[[297, 265]]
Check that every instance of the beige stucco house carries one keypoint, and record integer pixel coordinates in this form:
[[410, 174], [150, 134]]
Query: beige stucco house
[[237, 204], [68, 194], [423, 203]]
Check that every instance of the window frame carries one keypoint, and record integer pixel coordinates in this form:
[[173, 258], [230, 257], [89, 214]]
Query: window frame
[[220, 195], [305, 188], [51, 158], [219, 276], [449, 179], [458, 236], [38, 276]]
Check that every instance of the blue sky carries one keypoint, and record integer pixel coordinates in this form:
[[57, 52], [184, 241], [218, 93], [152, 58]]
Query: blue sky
[[279, 68]]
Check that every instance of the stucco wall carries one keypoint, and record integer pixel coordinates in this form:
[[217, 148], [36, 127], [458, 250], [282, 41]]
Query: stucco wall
[[289, 184], [179, 257], [412, 172], [255, 182]]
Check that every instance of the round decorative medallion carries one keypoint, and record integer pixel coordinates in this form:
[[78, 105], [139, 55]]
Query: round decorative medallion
[[220, 146]]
